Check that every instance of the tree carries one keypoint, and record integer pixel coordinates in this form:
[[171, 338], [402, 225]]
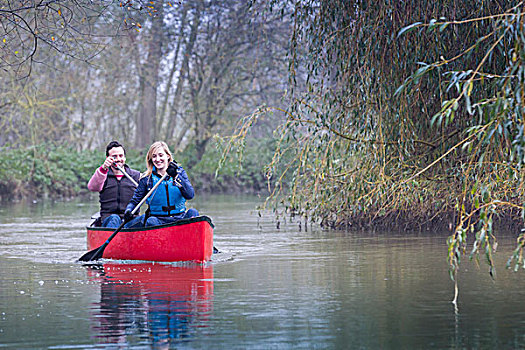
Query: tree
[[235, 67], [369, 140], [67, 27], [61, 40], [180, 71], [149, 82], [217, 61]]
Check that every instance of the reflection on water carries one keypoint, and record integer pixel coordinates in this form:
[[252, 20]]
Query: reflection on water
[[161, 301]]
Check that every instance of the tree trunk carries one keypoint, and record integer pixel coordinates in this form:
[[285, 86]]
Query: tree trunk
[[146, 119], [183, 71]]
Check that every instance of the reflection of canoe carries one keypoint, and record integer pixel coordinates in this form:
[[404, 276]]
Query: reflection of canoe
[[184, 240], [155, 301], [162, 280]]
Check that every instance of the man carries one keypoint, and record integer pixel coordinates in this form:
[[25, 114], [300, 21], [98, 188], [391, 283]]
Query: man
[[115, 189]]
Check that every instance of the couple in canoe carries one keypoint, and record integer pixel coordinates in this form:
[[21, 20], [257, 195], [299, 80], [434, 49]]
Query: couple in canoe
[[122, 188]]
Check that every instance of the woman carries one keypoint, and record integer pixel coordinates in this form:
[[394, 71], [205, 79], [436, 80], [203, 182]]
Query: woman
[[167, 204]]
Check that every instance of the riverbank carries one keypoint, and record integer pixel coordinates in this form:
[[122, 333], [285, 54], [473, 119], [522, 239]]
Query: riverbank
[[57, 172], [49, 171]]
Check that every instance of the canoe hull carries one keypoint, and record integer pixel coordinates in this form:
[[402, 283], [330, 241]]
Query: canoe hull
[[185, 240]]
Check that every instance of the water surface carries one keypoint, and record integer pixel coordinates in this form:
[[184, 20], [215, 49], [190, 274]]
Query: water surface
[[269, 288]]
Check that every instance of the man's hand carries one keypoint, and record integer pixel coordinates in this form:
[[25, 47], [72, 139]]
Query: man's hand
[[172, 170], [108, 163]]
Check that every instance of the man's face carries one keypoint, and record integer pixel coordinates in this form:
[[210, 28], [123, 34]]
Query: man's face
[[118, 156]]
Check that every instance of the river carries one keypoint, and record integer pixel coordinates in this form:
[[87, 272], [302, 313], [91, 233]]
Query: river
[[269, 288]]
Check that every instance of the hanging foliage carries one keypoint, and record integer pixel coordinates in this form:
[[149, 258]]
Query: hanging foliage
[[405, 114]]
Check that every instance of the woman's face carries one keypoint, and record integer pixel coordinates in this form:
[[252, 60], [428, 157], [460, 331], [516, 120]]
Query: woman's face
[[160, 159]]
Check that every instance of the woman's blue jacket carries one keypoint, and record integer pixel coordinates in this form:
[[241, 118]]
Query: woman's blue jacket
[[169, 198]]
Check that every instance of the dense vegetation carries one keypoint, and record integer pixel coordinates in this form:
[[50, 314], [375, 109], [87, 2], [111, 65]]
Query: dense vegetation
[[58, 172], [408, 114]]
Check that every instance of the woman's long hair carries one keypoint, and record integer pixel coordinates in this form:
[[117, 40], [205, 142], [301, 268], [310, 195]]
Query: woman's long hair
[[149, 162]]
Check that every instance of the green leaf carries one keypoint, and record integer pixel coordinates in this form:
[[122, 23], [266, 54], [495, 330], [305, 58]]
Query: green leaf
[[409, 28]]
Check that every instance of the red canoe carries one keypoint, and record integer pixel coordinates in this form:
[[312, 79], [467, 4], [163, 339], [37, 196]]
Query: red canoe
[[184, 240]]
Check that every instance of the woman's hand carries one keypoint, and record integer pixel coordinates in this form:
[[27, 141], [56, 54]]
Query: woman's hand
[[172, 170]]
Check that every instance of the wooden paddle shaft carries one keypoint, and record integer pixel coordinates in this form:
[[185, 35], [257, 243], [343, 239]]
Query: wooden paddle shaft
[[126, 174], [149, 194]]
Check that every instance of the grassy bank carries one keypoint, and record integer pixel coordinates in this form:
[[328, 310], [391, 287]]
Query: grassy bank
[[50, 171]]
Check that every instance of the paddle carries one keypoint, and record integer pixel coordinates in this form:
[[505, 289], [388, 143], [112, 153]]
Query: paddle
[[96, 253], [126, 174]]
